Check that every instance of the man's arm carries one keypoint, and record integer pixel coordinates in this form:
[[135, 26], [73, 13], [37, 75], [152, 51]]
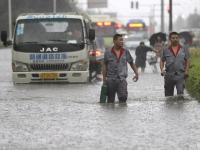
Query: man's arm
[[187, 65], [154, 50], [151, 48], [104, 67], [104, 71], [162, 64], [134, 68]]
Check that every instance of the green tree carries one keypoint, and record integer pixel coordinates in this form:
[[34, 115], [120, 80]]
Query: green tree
[[193, 21], [31, 6], [179, 23]]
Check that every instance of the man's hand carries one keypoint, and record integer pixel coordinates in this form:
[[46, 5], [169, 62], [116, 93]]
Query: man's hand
[[186, 74], [135, 78], [163, 73], [104, 80], [156, 51]]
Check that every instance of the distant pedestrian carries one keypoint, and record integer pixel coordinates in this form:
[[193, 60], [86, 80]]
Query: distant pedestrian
[[115, 70], [141, 55], [175, 59]]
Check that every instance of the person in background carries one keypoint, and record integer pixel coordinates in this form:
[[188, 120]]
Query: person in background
[[115, 70], [141, 55], [174, 66]]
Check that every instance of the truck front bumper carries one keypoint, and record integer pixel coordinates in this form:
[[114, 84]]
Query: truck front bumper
[[61, 76]]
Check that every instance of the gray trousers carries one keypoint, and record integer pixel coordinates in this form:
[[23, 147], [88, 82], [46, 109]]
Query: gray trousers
[[174, 80], [117, 86]]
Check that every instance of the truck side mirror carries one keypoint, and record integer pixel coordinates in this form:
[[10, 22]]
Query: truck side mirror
[[91, 34], [4, 37]]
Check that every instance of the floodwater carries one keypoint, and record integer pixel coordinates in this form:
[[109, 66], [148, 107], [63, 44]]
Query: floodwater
[[69, 116]]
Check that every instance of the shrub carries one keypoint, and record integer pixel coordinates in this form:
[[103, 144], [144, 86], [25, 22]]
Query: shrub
[[193, 82]]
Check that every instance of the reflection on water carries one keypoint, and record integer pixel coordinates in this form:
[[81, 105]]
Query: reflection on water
[[180, 99], [177, 105], [114, 107]]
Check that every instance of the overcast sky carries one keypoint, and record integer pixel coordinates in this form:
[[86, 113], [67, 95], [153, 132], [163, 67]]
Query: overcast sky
[[147, 8]]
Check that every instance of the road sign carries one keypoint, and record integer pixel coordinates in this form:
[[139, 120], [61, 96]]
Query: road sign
[[97, 3]]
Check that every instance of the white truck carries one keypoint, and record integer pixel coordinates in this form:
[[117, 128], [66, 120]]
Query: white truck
[[51, 47]]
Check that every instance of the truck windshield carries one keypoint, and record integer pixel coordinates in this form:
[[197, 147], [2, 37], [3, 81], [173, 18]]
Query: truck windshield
[[67, 31]]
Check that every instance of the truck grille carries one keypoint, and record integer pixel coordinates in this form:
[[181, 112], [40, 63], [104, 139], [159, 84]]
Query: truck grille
[[49, 67]]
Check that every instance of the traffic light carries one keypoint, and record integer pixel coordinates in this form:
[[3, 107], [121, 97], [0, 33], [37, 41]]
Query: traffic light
[[168, 9], [132, 4], [137, 5]]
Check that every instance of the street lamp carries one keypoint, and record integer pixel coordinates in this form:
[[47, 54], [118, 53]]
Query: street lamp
[[10, 19], [170, 16], [162, 16], [54, 6]]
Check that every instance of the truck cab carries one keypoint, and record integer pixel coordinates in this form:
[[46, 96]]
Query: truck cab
[[51, 47]]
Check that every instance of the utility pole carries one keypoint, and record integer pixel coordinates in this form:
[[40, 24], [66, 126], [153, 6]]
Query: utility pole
[[162, 28], [170, 16], [10, 19], [54, 6]]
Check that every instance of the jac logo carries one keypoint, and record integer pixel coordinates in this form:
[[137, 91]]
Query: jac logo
[[48, 49]]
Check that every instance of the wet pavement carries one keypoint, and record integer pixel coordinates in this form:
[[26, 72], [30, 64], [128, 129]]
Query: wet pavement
[[68, 116]]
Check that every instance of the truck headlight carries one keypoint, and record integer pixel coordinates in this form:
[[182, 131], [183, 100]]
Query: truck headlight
[[19, 67], [79, 66]]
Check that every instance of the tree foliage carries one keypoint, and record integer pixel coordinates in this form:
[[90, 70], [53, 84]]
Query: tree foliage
[[30, 6], [179, 23], [193, 21]]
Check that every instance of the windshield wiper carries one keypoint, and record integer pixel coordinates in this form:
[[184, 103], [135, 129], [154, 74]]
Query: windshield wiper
[[55, 40], [30, 42]]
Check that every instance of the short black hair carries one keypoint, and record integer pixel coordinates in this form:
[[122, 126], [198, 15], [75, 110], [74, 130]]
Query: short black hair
[[142, 43], [116, 36], [173, 33]]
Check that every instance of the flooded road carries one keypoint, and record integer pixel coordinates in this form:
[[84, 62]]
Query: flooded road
[[68, 116]]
